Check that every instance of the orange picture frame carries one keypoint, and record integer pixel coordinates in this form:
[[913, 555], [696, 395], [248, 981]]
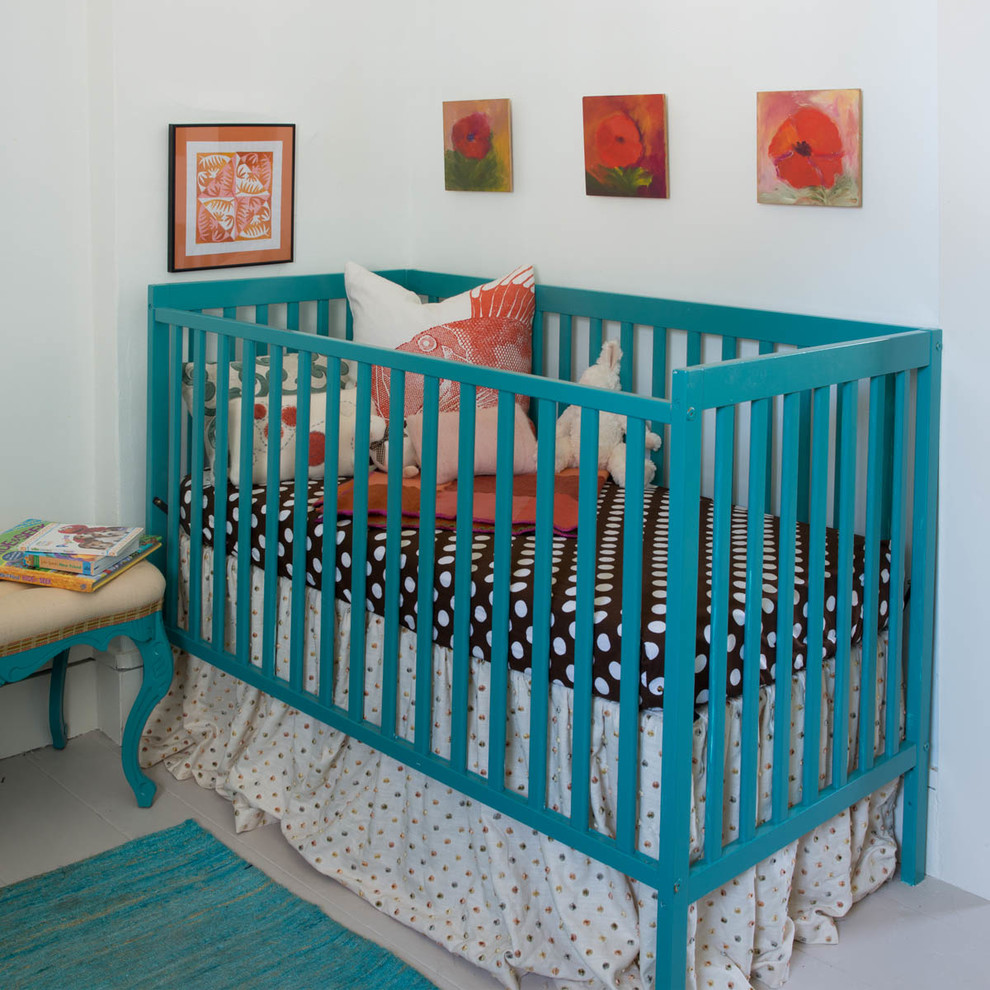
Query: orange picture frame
[[230, 195]]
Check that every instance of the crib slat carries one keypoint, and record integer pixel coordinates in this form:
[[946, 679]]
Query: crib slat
[[220, 478], [328, 551], [837, 467], [460, 682], [300, 509], [292, 316], [323, 317], [898, 532], [359, 546], [730, 348], [244, 506], [539, 333], [425, 573], [500, 605], [766, 347], [755, 532], [565, 349], [804, 460], [188, 421], [869, 589], [393, 548], [693, 349], [174, 476], [658, 389], [198, 347], [538, 360], [821, 400], [632, 606], [627, 340], [725, 426], [540, 612], [596, 337], [786, 545], [584, 619], [270, 613], [846, 460]]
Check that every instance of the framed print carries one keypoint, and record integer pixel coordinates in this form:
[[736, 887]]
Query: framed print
[[230, 195]]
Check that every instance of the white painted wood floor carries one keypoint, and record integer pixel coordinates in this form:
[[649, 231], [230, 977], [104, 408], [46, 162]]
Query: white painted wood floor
[[58, 807]]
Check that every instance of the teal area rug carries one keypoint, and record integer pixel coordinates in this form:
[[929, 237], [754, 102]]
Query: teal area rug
[[177, 909]]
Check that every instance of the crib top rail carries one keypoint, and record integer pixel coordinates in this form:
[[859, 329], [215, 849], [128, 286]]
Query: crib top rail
[[702, 318]]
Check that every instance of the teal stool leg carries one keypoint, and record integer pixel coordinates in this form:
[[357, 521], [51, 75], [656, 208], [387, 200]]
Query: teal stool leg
[[156, 652], [56, 699]]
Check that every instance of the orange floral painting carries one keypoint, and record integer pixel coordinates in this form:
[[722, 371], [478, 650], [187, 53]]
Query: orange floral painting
[[809, 147], [477, 146], [625, 146], [230, 195]]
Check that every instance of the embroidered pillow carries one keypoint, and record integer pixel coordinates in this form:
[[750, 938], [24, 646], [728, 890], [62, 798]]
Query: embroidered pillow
[[491, 324], [262, 387], [287, 439]]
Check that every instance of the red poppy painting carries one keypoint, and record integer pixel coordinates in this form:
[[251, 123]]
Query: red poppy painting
[[625, 146], [809, 147], [477, 146]]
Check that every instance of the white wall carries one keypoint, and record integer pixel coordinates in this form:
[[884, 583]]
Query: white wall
[[87, 109], [49, 380], [963, 799], [710, 241]]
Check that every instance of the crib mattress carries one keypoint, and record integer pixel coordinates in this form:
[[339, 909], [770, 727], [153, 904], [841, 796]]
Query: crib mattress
[[608, 590]]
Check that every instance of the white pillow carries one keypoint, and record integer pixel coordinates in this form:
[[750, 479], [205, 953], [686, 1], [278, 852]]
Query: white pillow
[[491, 325]]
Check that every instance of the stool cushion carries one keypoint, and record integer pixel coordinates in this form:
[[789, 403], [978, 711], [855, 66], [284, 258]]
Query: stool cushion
[[33, 616]]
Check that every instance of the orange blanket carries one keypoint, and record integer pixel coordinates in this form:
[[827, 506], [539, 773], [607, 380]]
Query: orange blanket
[[565, 502]]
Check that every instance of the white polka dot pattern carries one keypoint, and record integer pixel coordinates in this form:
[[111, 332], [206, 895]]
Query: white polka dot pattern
[[606, 616]]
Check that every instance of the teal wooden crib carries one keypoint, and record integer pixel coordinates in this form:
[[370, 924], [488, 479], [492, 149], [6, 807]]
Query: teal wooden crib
[[824, 428]]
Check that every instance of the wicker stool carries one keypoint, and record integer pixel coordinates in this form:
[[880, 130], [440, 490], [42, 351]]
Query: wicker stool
[[40, 624]]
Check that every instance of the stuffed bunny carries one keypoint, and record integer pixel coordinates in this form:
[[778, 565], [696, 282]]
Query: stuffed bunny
[[604, 373]]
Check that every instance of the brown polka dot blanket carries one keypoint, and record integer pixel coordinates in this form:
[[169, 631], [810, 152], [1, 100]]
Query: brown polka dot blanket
[[608, 588]]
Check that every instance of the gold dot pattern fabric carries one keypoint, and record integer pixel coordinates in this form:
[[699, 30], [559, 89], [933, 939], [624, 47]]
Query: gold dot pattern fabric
[[497, 893]]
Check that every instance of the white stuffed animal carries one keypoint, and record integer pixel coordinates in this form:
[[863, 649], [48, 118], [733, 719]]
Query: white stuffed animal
[[604, 373]]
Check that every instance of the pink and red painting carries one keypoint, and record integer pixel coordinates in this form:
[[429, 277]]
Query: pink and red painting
[[809, 147], [625, 146], [477, 146]]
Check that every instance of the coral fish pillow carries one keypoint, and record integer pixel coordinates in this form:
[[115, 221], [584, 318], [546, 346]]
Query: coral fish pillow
[[491, 325]]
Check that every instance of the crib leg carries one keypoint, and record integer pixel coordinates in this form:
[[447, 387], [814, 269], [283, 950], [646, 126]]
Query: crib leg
[[672, 915]]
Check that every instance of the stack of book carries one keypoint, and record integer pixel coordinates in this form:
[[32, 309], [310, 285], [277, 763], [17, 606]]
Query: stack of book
[[72, 556]]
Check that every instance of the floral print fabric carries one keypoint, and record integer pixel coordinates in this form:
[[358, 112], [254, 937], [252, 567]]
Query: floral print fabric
[[503, 896]]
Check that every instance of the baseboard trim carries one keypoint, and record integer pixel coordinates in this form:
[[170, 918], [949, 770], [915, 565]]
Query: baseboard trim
[[24, 709]]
